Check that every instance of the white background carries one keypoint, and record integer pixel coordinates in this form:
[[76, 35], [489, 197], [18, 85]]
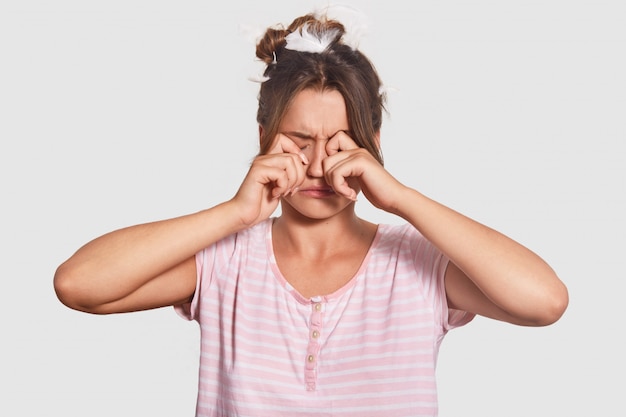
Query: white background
[[120, 112]]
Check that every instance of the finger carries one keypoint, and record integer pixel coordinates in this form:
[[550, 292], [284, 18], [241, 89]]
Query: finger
[[276, 179], [337, 175], [341, 141], [341, 186], [281, 185], [285, 145], [290, 171], [295, 172]]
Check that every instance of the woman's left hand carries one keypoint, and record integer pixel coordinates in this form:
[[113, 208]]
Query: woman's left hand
[[349, 168], [490, 274]]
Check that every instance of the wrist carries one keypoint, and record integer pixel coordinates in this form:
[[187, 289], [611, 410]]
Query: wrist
[[407, 202]]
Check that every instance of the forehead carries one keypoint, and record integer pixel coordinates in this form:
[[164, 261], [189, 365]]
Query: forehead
[[316, 113]]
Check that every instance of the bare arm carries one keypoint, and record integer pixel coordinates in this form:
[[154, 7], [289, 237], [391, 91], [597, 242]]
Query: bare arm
[[490, 274], [152, 265], [143, 266]]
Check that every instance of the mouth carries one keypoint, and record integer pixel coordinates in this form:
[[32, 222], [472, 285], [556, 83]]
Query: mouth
[[317, 192]]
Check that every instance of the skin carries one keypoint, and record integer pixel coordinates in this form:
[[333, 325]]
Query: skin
[[316, 170]]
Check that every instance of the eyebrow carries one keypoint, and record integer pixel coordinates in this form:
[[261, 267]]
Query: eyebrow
[[298, 134], [304, 135]]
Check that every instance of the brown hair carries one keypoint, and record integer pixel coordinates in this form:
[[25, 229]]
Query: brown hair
[[339, 67]]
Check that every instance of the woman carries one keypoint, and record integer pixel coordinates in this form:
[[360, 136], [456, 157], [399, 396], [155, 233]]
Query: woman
[[317, 311]]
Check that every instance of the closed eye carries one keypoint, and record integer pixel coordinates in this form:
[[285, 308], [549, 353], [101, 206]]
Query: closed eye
[[303, 142]]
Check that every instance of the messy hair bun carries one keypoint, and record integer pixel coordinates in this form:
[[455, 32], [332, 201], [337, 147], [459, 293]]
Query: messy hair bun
[[274, 40]]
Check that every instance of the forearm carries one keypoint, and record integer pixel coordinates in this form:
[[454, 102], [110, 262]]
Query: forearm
[[118, 263], [511, 276]]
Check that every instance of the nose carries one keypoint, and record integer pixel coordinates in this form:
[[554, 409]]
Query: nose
[[316, 154]]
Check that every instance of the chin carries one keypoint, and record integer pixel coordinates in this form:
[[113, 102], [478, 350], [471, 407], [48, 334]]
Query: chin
[[318, 209]]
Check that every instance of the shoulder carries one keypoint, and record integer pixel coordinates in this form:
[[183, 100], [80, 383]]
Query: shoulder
[[407, 242], [398, 234], [254, 234], [257, 233], [238, 244]]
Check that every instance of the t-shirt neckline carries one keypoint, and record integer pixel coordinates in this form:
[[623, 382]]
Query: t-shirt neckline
[[323, 298]]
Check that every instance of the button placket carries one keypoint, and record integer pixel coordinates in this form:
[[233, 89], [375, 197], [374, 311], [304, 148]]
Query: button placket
[[313, 348]]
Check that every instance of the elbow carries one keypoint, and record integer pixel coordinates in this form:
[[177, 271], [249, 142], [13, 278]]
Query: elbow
[[553, 307], [69, 290]]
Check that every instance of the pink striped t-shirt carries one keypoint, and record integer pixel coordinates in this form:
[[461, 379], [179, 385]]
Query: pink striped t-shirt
[[368, 349]]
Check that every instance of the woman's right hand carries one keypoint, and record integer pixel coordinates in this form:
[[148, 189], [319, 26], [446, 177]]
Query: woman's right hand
[[153, 265], [271, 176]]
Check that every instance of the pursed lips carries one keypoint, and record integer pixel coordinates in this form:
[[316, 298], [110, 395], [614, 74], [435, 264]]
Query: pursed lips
[[317, 190]]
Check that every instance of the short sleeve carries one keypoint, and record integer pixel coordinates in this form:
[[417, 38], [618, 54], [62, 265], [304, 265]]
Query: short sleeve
[[431, 265], [189, 311], [208, 261], [452, 318]]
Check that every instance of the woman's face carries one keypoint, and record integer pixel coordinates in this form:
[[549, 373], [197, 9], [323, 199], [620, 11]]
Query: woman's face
[[311, 121]]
